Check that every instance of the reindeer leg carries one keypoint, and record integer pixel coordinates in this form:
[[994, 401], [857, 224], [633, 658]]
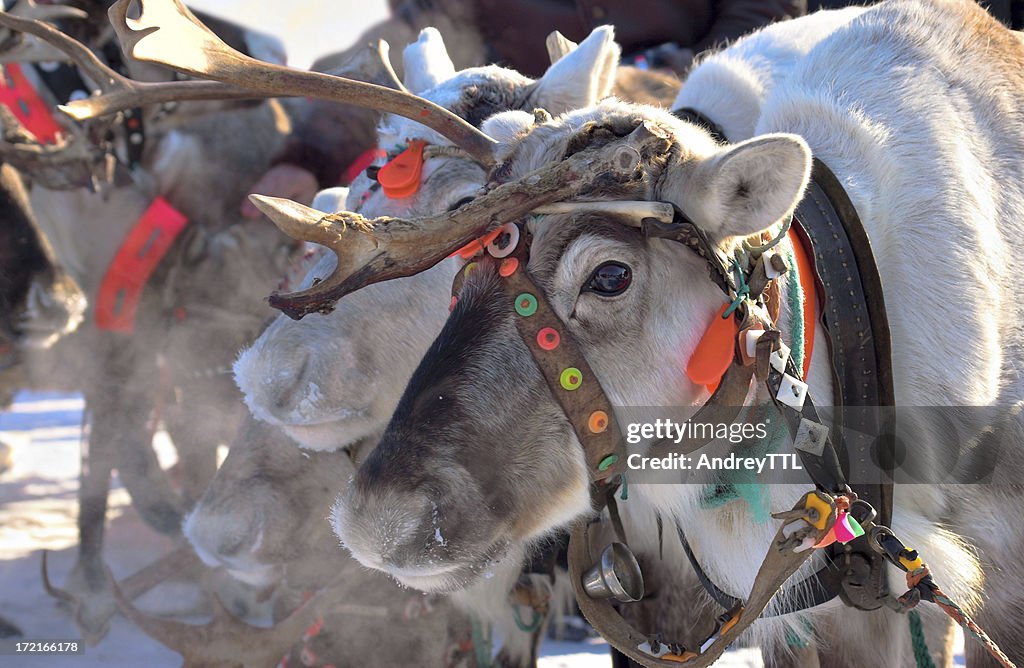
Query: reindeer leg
[[139, 470], [88, 582], [196, 425], [121, 415]]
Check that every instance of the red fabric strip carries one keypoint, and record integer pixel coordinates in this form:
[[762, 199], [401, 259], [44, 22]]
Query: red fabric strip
[[19, 95], [138, 257]]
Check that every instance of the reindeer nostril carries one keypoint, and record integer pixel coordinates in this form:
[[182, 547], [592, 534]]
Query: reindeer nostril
[[290, 383]]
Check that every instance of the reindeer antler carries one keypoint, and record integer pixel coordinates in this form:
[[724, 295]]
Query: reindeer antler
[[226, 641], [118, 92], [370, 251], [29, 48], [167, 33], [182, 559], [72, 161]]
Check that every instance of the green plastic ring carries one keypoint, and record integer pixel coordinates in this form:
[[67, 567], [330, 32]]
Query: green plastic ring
[[571, 378], [607, 462], [526, 304]]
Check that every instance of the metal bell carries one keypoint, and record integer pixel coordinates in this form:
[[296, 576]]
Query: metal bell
[[616, 575]]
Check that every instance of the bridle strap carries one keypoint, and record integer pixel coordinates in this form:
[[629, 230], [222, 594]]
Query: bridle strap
[[572, 382], [781, 562]]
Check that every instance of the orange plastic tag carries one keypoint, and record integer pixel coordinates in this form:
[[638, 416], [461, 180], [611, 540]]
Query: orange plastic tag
[[715, 350], [477, 245], [401, 176]]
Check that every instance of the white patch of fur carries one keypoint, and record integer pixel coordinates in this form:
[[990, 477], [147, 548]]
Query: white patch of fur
[[583, 76], [509, 126], [729, 86], [426, 62], [331, 200]]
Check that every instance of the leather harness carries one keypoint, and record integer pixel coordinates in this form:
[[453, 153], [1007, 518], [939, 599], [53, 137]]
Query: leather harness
[[579, 393], [860, 352]]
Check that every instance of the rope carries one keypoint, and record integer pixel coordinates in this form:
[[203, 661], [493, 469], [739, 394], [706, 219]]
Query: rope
[[481, 644], [742, 292], [922, 656], [771, 244], [538, 617], [921, 586]]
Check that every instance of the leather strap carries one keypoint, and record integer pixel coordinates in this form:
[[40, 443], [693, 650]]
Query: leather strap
[[779, 564], [693, 116], [857, 327], [19, 95], [572, 382], [134, 263]]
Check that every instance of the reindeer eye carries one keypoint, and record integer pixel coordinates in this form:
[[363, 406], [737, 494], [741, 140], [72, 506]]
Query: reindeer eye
[[610, 279]]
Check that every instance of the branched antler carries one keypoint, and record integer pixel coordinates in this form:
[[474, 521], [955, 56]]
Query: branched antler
[[167, 33], [21, 47], [72, 161], [118, 92], [370, 251], [226, 641], [180, 560]]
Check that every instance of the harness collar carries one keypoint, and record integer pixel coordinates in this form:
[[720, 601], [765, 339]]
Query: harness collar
[[19, 95], [141, 252]]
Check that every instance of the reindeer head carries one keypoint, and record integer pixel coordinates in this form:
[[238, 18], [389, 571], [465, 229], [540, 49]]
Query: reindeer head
[[479, 452], [333, 379], [265, 507]]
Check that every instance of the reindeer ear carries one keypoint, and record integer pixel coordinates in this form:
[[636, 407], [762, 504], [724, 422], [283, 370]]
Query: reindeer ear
[[426, 62], [747, 187], [582, 76]]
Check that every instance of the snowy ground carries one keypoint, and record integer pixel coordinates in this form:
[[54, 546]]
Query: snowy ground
[[37, 512]]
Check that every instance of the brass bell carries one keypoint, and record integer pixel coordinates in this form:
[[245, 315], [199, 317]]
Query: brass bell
[[616, 575]]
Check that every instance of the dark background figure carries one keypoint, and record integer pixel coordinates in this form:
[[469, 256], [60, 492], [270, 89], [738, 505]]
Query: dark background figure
[[1010, 12]]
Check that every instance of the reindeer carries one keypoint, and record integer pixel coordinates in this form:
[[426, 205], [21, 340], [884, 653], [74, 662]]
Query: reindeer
[[39, 302], [209, 288], [635, 319], [270, 489], [729, 86], [335, 391]]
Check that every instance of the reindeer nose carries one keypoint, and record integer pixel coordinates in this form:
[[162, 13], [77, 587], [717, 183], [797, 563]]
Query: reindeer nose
[[386, 529], [273, 381], [217, 537]]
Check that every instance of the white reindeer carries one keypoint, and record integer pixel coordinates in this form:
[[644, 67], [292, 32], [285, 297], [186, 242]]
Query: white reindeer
[[915, 105]]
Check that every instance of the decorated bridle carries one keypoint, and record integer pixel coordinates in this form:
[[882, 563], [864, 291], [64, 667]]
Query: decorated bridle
[[829, 513]]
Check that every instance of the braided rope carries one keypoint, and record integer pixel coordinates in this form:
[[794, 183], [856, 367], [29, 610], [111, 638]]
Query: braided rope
[[921, 585]]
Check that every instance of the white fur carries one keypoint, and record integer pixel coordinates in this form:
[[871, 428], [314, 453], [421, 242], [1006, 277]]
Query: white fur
[[426, 62], [585, 74]]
